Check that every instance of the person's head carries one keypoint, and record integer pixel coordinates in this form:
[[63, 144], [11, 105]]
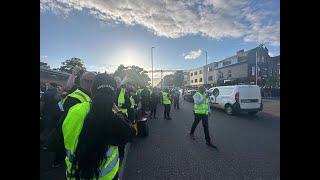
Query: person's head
[[118, 81], [94, 138], [166, 90], [53, 85], [86, 81], [201, 89]]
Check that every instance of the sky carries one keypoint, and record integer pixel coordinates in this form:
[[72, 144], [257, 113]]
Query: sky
[[105, 34]]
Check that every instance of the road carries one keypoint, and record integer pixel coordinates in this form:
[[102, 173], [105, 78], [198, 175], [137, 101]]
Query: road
[[248, 148]]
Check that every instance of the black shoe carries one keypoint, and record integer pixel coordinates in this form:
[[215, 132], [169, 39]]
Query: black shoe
[[211, 145]]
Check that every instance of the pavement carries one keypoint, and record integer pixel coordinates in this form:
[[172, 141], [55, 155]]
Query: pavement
[[248, 148]]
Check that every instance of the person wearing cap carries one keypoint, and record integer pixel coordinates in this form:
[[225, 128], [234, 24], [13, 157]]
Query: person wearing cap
[[92, 132], [201, 113]]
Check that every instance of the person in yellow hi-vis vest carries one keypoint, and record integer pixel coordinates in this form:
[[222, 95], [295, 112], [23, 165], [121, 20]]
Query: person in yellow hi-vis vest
[[92, 132], [201, 112], [166, 100]]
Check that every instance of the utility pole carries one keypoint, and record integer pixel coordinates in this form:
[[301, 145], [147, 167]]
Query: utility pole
[[161, 78], [152, 66], [206, 68], [257, 67]]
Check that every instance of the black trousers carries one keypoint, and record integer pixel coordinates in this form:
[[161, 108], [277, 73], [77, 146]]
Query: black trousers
[[167, 108], [197, 119], [176, 103], [131, 114], [153, 110], [121, 152]]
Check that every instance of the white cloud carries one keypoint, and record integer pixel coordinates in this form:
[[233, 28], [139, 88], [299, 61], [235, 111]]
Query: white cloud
[[102, 68], [193, 54], [173, 19]]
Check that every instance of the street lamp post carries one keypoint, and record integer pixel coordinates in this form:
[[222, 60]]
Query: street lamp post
[[152, 66], [205, 69], [256, 67]]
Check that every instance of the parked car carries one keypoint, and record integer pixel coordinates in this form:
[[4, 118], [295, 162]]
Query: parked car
[[188, 96], [238, 98]]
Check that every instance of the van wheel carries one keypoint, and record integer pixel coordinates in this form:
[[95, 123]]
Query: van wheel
[[253, 113], [228, 109]]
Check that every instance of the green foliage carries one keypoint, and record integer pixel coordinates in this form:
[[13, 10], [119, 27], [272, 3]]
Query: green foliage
[[168, 80], [178, 79], [44, 65], [71, 64], [136, 75]]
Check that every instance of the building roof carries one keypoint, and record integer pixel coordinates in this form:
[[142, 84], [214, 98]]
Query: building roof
[[54, 73]]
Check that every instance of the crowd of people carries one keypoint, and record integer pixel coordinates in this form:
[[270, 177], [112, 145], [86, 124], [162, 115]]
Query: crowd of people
[[88, 122]]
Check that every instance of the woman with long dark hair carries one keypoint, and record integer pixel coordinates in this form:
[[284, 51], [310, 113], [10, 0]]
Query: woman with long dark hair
[[92, 132]]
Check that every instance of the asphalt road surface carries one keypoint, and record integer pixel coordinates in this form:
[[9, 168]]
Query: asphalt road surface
[[248, 148]]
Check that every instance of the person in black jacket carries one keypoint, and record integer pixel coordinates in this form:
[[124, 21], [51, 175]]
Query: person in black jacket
[[154, 102], [145, 100]]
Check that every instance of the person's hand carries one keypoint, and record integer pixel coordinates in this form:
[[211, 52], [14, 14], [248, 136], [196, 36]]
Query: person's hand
[[115, 108]]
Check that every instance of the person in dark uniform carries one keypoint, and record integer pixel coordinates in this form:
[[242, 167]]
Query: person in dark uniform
[[176, 95], [145, 100], [154, 102]]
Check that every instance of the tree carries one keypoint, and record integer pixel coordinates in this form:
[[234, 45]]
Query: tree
[[70, 64], [178, 79], [168, 80], [44, 65], [136, 74]]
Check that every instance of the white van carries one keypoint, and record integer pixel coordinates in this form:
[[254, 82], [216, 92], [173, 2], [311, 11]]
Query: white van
[[237, 98]]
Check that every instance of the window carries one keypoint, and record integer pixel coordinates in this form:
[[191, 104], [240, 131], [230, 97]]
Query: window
[[226, 63], [210, 69], [226, 91], [196, 80], [191, 74], [191, 81], [200, 80], [253, 70], [210, 78], [200, 72], [229, 73], [221, 75], [196, 73], [234, 60]]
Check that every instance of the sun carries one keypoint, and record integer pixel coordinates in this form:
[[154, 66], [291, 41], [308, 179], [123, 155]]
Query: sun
[[133, 57]]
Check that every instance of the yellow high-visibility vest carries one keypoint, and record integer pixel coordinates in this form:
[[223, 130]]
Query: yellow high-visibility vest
[[165, 98], [71, 130], [121, 101], [201, 108]]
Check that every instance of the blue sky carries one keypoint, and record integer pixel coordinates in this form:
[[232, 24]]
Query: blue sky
[[108, 33]]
